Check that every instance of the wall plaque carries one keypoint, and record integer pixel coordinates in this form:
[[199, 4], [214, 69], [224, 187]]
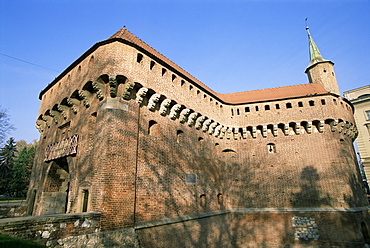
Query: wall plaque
[[61, 149], [190, 178]]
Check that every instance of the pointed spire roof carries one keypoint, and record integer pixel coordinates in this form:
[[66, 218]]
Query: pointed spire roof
[[315, 55]]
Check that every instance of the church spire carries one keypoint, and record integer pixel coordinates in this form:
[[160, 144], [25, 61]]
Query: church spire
[[321, 70], [315, 55]]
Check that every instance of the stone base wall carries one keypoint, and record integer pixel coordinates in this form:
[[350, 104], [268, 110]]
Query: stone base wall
[[224, 228], [13, 211], [47, 230], [113, 239]]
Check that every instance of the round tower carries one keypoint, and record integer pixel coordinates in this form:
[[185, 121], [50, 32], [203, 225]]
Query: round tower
[[321, 70]]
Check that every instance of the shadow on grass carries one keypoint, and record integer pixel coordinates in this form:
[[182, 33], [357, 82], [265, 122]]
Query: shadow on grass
[[9, 242]]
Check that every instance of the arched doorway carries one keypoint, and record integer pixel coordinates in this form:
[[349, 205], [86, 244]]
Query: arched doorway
[[54, 199]]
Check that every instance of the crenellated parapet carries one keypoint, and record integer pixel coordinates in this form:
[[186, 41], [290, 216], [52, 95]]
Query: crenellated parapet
[[192, 118], [176, 111], [165, 105], [113, 87], [63, 110], [141, 94], [206, 125], [212, 127], [199, 122], [48, 119], [85, 95], [153, 100], [74, 103], [40, 124], [57, 116], [99, 89], [217, 130], [184, 115], [343, 127], [128, 87]]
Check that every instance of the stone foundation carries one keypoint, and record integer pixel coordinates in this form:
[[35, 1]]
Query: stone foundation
[[225, 228], [114, 239], [47, 230]]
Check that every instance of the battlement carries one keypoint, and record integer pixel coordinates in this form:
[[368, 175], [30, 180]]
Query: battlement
[[107, 87]]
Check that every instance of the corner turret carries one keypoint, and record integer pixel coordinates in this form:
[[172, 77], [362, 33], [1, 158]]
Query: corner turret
[[321, 70]]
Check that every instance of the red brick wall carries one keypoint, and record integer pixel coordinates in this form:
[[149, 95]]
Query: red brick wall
[[134, 176], [316, 229]]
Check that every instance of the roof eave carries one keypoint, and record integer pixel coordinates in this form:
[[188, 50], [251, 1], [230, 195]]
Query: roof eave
[[284, 98], [311, 65], [139, 48], [76, 62]]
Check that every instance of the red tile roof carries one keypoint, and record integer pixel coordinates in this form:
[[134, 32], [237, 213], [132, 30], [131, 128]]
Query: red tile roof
[[270, 94]]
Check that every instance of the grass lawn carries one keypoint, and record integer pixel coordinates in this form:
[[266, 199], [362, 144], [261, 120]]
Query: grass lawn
[[9, 242]]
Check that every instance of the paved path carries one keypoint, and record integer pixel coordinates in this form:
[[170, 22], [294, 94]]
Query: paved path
[[12, 203]]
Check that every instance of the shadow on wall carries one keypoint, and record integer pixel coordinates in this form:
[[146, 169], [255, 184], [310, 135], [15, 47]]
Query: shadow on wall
[[310, 195], [162, 191]]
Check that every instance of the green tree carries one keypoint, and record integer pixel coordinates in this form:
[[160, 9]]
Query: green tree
[[5, 126], [22, 143], [7, 157], [21, 171]]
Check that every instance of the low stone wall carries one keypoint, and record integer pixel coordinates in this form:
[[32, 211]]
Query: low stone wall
[[13, 211], [47, 230], [113, 239], [347, 228]]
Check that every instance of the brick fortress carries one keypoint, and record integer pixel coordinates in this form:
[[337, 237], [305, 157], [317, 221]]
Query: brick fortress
[[127, 133]]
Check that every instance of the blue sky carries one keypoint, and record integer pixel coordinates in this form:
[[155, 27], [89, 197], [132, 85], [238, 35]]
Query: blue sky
[[229, 45]]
